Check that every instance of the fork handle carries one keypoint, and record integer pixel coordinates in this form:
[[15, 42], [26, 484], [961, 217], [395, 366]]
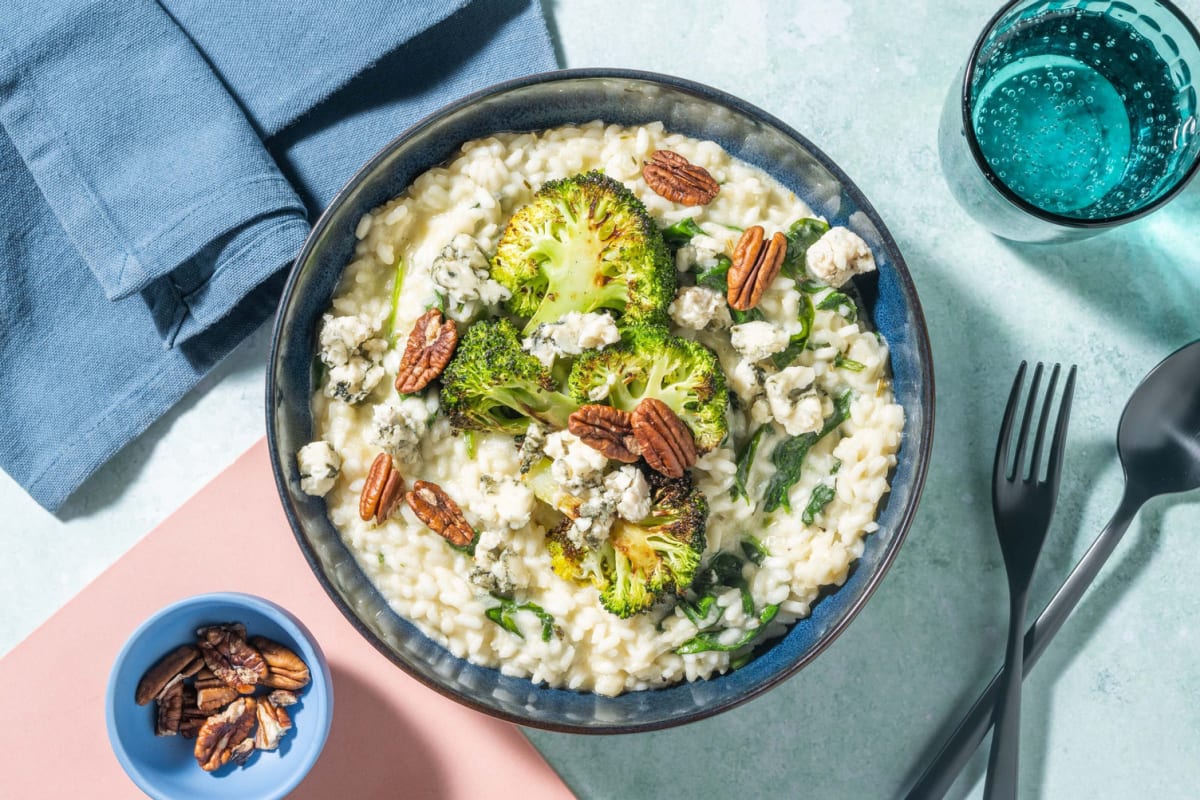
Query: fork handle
[[938, 777], [1002, 772]]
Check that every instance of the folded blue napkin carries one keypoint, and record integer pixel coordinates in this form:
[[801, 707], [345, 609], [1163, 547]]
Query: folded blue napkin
[[159, 164]]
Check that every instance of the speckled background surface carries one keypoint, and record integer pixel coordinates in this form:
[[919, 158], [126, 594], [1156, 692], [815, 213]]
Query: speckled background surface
[[1111, 711]]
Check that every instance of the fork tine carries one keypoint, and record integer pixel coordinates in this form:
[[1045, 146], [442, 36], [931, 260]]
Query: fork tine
[[1054, 467], [1010, 410], [1017, 467], [1035, 462]]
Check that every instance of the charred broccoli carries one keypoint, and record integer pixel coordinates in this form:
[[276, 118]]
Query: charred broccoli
[[649, 362], [584, 243], [639, 561], [492, 384]]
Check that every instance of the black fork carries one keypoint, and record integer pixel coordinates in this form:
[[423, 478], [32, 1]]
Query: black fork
[[1023, 501]]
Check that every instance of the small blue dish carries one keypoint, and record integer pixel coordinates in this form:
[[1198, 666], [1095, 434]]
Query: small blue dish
[[537, 102], [163, 766]]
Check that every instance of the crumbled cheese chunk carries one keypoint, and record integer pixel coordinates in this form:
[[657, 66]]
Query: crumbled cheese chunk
[[531, 447], [398, 425], [349, 349], [758, 340], [794, 401], [576, 465], [702, 251], [593, 517], [570, 336], [631, 492], [461, 272], [493, 571], [745, 379], [319, 466], [697, 308], [503, 503], [839, 255]]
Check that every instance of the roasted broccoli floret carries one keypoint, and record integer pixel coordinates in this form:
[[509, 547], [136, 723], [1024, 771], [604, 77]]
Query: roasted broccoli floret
[[492, 384], [584, 243], [650, 362], [639, 561]]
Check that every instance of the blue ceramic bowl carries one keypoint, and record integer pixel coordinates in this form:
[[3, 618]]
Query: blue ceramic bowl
[[164, 767], [543, 101]]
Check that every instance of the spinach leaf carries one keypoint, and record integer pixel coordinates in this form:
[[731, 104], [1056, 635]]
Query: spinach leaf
[[716, 276], [800, 237], [745, 460], [753, 315], [812, 287], [709, 640], [788, 456], [799, 341], [755, 550], [841, 303], [397, 286], [502, 615], [822, 495], [698, 611], [679, 234]]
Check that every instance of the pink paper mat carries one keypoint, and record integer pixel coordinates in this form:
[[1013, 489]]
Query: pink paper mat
[[391, 736]]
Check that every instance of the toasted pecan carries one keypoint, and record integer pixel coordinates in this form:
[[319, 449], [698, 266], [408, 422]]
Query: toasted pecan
[[756, 264], [666, 441], [434, 507], [428, 350], [672, 176], [607, 429]]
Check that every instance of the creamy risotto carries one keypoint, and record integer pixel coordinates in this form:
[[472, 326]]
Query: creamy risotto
[[791, 490]]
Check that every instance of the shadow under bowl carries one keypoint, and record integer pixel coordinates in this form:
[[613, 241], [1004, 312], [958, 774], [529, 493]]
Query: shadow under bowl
[[543, 101]]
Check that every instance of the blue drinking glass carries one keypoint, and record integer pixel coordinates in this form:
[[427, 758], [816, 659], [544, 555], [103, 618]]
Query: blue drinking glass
[[1073, 116]]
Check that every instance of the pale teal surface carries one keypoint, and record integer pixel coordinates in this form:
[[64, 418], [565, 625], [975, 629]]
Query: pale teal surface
[[1113, 709]]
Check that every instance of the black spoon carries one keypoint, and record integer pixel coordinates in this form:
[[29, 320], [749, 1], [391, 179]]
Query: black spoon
[[1158, 441]]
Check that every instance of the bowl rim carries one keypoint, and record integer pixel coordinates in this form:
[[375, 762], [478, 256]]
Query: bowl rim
[[908, 289], [318, 669]]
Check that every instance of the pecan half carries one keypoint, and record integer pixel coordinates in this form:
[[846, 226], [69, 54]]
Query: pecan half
[[287, 670], [241, 753], [222, 733], [672, 176], [666, 440], [282, 697], [172, 668], [192, 717], [435, 508], [273, 722], [214, 698], [607, 429], [382, 491], [229, 657], [427, 352], [755, 266], [169, 711]]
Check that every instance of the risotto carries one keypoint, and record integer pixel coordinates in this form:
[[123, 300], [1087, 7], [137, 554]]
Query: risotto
[[785, 474]]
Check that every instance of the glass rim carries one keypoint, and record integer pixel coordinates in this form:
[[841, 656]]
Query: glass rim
[[1024, 205]]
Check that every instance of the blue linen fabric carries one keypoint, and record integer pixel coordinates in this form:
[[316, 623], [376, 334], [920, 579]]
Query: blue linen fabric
[[159, 165]]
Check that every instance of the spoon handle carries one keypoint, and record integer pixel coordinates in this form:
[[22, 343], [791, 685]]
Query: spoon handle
[[937, 778]]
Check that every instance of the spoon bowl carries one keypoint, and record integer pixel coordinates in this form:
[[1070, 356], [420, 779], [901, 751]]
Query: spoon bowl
[[1159, 435]]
